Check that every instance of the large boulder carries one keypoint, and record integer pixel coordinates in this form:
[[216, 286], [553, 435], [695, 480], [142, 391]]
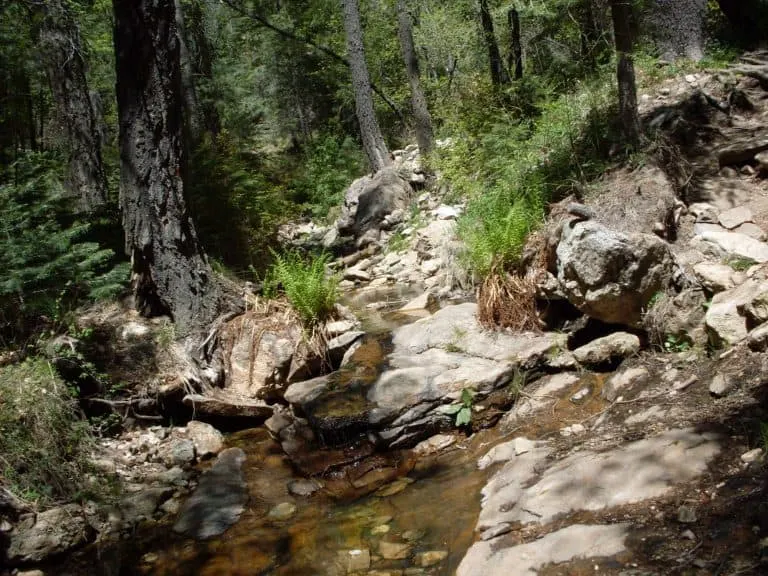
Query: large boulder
[[260, 354], [370, 199], [608, 275], [49, 533], [727, 315]]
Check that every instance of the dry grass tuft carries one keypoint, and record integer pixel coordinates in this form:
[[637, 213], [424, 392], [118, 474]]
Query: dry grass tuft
[[508, 301]]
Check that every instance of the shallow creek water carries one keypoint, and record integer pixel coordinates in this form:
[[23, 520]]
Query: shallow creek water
[[432, 507]]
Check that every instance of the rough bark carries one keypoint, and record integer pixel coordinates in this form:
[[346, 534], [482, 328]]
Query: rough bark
[[170, 271], [499, 74], [621, 13], [373, 141], [421, 115], [515, 46], [677, 27], [62, 52]]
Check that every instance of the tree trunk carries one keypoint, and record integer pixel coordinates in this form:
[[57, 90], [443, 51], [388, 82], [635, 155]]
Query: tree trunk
[[421, 116], [61, 47], [748, 17], [203, 64], [499, 75], [189, 94], [677, 27], [515, 46], [373, 141], [171, 273], [589, 34], [621, 12]]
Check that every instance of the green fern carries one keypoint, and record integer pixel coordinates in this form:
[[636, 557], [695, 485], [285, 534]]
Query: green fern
[[311, 292]]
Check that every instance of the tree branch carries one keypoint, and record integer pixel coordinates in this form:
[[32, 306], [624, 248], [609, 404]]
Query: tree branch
[[307, 40]]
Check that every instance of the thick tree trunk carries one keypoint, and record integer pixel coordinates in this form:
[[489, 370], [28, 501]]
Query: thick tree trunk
[[421, 116], [189, 94], [677, 27], [748, 17], [373, 141], [515, 46], [171, 273], [61, 47], [621, 12], [499, 74]]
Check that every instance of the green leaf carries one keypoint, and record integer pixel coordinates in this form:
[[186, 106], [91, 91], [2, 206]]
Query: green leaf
[[464, 416], [467, 396], [453, 408]]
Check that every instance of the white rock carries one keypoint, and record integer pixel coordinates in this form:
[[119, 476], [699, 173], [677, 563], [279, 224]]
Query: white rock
[[430, 267], [739, 245], [752, 455], [421, 302], [715, 277], [734, 217], [444, 212]]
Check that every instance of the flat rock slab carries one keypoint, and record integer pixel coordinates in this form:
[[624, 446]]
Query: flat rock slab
[[573, 542], [734, 217], [738, 245], [219, 500], [589, 480]]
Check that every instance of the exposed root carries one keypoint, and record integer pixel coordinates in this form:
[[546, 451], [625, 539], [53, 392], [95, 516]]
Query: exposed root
[[508, 301]]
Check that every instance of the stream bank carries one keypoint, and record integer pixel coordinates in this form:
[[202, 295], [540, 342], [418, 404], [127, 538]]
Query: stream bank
[[629, 440]]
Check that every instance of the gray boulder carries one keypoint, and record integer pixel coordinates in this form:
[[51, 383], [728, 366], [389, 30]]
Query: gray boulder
[[370, 199], [611, 276], [726, 316], [612, 347], [47, 534], [207, 440]]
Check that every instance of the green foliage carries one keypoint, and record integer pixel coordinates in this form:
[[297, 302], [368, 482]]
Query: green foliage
[[513, 168], [677, 343], [463, 409], [740, 264], [236, 208], [311, 292], [329, 165], [44, 443], [47, 264]]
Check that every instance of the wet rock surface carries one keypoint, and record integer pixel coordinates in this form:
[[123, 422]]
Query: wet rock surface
[[219, 499]]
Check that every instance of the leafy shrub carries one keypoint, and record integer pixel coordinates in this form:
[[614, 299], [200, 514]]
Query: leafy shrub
[[514, 168], [47, 264], [236, 208], [463, 409], [304, 281], [44, 443], [330, 164]]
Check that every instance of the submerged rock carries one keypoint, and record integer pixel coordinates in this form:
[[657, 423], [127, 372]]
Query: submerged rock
[[219, 499]]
